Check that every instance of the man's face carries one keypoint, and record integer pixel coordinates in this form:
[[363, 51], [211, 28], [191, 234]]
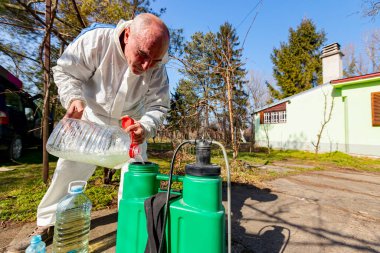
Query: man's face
[[142, 53]]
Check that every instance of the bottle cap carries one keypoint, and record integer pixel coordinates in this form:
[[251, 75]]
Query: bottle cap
[[134, 150], [36, 239], [76, 189], [77, 186]]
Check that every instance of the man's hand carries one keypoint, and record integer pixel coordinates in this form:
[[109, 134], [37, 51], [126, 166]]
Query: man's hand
[[75, 110], [138, 131]]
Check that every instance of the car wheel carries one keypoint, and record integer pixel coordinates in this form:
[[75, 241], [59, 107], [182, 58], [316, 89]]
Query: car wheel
[[15, 148]]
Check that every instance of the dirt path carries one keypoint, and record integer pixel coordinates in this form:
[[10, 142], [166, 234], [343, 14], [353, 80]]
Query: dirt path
[[323, 211]]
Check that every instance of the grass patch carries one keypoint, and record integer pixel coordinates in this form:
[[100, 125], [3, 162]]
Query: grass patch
[[21, 191], [160, 146], [325, 160]]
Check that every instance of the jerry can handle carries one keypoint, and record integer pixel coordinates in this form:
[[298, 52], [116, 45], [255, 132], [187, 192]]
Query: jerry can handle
[[164, 177], [77, 182]]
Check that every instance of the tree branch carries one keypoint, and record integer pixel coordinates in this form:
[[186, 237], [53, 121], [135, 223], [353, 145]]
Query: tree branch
[[34, 14], [78, 14], [21, 26], [34, 2], [11, 53]]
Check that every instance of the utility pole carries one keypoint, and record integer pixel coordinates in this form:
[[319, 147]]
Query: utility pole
[[46, 62]]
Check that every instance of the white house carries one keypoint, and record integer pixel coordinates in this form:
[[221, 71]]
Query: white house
[[354, 102]]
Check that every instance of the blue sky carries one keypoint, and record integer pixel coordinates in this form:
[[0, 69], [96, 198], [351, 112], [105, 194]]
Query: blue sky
[[340, 19]]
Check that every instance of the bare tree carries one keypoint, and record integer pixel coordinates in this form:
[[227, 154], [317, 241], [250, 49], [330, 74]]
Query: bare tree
[[372, 49], [356, 63], [327, 112], [371, 8], [349, 61], [258, 90], [259, 96], [266, 128]]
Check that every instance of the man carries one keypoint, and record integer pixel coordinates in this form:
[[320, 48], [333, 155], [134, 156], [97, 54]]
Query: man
[[104, 74]]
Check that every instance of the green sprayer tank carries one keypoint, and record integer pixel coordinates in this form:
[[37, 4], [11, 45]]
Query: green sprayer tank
[[196, 219]]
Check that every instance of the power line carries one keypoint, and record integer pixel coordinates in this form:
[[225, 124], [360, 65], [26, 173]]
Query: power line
[[249, 13]]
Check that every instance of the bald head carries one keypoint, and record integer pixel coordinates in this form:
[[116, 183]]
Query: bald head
[[149, 26], [146, 41]]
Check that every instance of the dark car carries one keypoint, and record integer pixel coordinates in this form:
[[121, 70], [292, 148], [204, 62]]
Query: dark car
[[20, 117]]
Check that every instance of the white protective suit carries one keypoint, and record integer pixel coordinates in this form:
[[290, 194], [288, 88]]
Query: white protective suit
[[94, 69]]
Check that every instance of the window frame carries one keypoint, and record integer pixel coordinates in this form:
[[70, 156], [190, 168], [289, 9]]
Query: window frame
[[274, 117], [282, 117], [267, 118]]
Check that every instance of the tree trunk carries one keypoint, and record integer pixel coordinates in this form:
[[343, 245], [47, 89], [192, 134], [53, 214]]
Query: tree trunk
[[45, 121], [253, 137], [207, 122], [107, 175], [231, 114]]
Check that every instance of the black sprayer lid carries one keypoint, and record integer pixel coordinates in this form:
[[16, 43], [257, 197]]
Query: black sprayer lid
[[203, 166]]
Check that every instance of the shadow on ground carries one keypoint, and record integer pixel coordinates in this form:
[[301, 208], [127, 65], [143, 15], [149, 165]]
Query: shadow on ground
[[103, 242], [273, 238]]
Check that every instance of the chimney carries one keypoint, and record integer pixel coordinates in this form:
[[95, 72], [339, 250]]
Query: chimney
[[332, 66]]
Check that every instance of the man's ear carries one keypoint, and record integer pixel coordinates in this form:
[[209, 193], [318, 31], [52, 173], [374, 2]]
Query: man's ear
[[126, 35]]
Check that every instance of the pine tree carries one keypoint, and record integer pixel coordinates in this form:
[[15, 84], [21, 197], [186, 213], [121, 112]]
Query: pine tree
[[199, 64], [230, 68], [297, 63]]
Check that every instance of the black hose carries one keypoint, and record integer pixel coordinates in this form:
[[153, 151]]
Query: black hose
[[168, 192]]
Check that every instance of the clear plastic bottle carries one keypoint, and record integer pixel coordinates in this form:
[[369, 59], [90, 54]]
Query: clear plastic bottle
[[36, 245], [88, 142], [73, 218]]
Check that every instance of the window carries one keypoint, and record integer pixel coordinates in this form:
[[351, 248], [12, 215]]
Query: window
[[282, 117], [266, 118], [274, 114], [274, 117], [375, 100]]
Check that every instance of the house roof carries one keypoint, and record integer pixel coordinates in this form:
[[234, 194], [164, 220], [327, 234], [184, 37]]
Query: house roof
[[272, 104], [336, 84], [355, 79], [287, 98]]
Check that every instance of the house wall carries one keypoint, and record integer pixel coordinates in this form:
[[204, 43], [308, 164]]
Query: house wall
[[362, 136], [304, 120], [350, 129]]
